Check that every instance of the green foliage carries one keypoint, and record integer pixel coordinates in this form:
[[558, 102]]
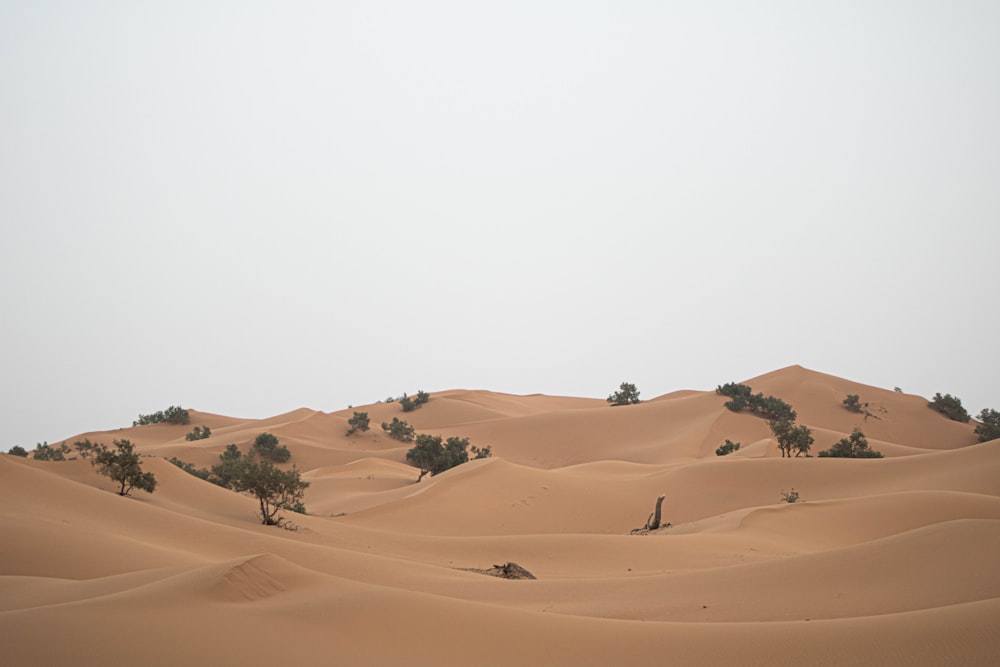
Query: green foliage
[[229, 470], [200, 473], [433, 456], [399, 430], [199, 433], [45, 452], [87, 449], [791, 496], [853, 447], [728, 448], [410, 404], [175, 414], [791, 437], [734, 390], [481, 453], [18, 450], [853, 403], [989, 429], [627, 394], [743, 398], [267, 446], [122, 465], [950, 406], [359, 422], [273, 488]]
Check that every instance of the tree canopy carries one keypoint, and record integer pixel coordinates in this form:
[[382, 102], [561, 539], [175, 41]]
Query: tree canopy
[[853, 447], [627, 394], [122, 465]]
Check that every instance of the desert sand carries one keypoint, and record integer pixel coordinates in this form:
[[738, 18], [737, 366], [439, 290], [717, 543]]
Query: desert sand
[[894, 561]]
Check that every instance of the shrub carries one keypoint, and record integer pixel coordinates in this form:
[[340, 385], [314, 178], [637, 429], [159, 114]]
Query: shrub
[[399, 430], [728, 448], [433, 456], [989, 429], [410, 404], [267, 446], [627, 394], [359, 422], [18, 450], [791, 437], [853, 403], [122, 465], [273, 488], [950, 406], [200, 473], [733, 390], [229, 470], [87, 449], [175, 414], [743, 398], [45, 452], [199, 433], [481, 453], [853, 447], [791, 496]]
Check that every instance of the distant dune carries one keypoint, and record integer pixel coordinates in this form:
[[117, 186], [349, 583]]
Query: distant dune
[[887, 561]]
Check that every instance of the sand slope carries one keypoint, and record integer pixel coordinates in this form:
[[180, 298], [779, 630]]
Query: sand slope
[[888, 562]]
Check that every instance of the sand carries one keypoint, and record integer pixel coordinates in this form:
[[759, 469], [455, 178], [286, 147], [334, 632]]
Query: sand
[[883, 562]]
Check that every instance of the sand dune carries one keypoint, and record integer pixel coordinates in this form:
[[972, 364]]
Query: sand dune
[[888, 562]]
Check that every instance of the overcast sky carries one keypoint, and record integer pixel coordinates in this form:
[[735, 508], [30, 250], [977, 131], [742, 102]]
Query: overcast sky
[[249, 207]]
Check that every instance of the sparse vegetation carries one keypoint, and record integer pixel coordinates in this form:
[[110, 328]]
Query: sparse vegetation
[[121, 465], [86, 448], [791, 496], [433, 456], [45, 452], [18, 450], [853, 403], [273, 488], [791, 437], [266, 445], [853, 447], [359, 422], [399, 430], [989, 429], [200, 473], [728, 448], [950, 406], [742, 398], [175, 414], [229, 470], [199, 433], [627, 394], [410, 404]]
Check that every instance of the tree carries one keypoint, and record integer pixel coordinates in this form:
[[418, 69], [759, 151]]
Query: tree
[[399, 430], [87, 449], [199, 433], [175, 414], [273, 488], [989, 429], [728, 448], [45, 452], [122, 465], [791, 437], [410, 404], [853, 403], [433, 456], [359, 422], [950, 406], [230, 469], [853, 447], [743, 398], [267, 446], [18, 450], [627, 394]]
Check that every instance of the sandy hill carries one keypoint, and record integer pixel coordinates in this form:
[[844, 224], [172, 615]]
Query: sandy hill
[[888, 562]]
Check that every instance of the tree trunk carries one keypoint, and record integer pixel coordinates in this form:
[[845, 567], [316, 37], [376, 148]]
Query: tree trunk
[[655, 524]]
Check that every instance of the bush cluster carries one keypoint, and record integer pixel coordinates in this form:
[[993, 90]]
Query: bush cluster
[[742, 398], [728, 448], [175, 414], [989, 429], [853, 403], [199, 433], [359, 422], [432, 455], [791, 437], [399, 430], [266, 445], [853, 447], [410, 404], [627, 394], [45, 452], [950, 406]]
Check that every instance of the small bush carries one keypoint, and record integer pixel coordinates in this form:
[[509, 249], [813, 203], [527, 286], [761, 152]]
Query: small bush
[[950, 406], [175, 414], [481, 452], [45, 452], [199, 433], [399, 430], [410, 404], [743, 398], [267, 446], [733, 390], [359, 422], [18, 450], [728, 448], [989, 429], [853, 403], [791, 496], [853, 447], [200, 473], [627, 394]]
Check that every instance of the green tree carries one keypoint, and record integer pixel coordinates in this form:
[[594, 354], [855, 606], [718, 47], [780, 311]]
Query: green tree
[[230, 469], [122, 465], [273, 488], [87, 449], [175, 414], [728, 448], [853, 403], [399, 430], [359, 422], [989, 429], [200, 473], [267, 446], [853, 447], [950, 406], [199, 433], [18, 450], [45, 452], [791, 437], [432, 455], [627, 394]]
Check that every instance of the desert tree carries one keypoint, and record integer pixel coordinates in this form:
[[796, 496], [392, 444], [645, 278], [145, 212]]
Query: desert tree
[[175, 414], [627, 394], [854, 446], [18, 450], [87, 449], [230, 467], [950, 406], [199, 433], [45, 452], [728, 448], [989, 429], [853, 403], [121, 464], [267, 446], [359, 422], [274, 489], [791, 437], [399, 430], [432, 455]]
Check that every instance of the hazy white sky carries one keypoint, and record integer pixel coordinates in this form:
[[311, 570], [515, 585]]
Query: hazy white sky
[[249, 207]]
